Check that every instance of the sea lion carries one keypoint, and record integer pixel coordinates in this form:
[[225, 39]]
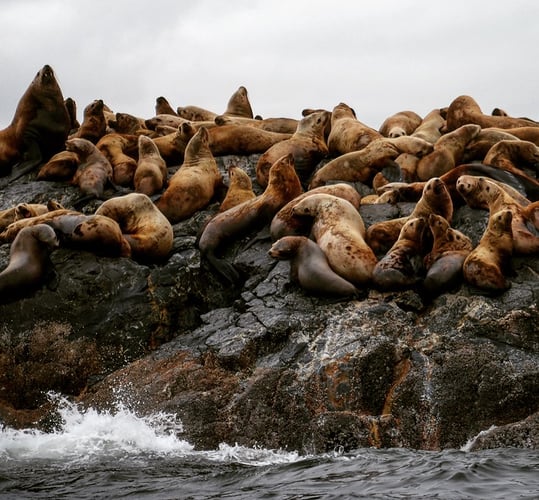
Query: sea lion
[[151, 173], [523, 133], [480, 192], [412, 191], [347, 132], [94, 125], [119, 149], [478, 147], [488, 264], [401, 123], [195, 113], [309, 267], [125, 123], [339, 231], [402, 266], [29, 262], [172, 146], [514, 155], [362, 165], [444, 262], [93, 233], [94, 170], [240, 188], [11, 231], [61, 167], [194, 184], [146, 229], [464, 110], [447, 152], [71, 107], [163, 107], [241, 139], [435, 198], [239, 105], [39, 128], [25, 211], [430, 128], [283, 186], [307, 145], [164, 119], [285, 223], [279, 125]]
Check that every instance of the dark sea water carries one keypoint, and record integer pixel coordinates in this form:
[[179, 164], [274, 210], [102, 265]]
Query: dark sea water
[[119, 455]]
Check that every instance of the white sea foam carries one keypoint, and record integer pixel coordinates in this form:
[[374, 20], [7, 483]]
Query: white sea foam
[[472, 440], [86, 434]]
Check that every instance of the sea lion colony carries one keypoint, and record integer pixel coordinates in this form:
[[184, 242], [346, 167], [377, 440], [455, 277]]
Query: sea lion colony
[[168, 160]]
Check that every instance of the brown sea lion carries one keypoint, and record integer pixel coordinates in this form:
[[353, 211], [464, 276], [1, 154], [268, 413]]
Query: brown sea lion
[[401, 123], [339, 231], [285, 223], [164, 119], [279, 125], [29, 262], [402, 266], [307, 145], [25, 211], [195, 113], [480, 192], [38, 129], [120, 149], [447, 152], [241, 139], [71, 107], [347, 132], [172, 146], [94, 171], [94, 125], [435, 198], [61, 167], [163, 107], [513, 155], [488, 264], [464, 109], [283, 186], [240, 188], [523, 133], [478, 147], [145, 228], [93, 233], [11, 231], [126, 123], [362, 165], [309, 267], [430, 128], [239, 105], [194, 184], [444, 262], [151, 173]]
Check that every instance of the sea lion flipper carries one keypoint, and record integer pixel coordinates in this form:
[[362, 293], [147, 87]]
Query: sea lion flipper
[[226, 269]]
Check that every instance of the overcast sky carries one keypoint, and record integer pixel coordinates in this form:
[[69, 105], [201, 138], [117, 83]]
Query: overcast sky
[[380, 57]]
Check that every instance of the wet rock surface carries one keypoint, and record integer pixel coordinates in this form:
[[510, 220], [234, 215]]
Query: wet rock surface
[[264, 363]]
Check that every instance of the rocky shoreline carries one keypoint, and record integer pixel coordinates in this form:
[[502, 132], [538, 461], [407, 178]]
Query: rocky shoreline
[[265, 364]]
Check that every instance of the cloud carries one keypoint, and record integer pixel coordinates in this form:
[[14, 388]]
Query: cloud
[[379, 57]]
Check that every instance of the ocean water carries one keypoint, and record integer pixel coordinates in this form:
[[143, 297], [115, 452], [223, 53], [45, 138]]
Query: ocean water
[[111, 455]]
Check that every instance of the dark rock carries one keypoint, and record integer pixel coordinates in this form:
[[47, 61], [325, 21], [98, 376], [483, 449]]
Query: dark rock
[[265, 364]]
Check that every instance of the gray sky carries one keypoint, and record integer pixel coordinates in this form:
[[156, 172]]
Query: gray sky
[[380, 57]]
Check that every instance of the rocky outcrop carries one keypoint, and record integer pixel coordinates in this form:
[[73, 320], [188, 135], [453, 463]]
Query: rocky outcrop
[[265, 364]]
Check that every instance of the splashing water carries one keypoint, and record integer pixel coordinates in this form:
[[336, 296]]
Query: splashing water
[[87, 434]]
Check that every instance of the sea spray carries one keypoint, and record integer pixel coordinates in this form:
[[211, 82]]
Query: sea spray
[[85, 435]]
